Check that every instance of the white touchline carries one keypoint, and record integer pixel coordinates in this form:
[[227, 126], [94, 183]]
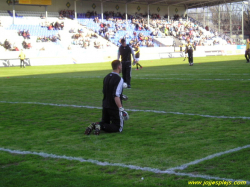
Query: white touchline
[[133, 110], [148, 77], [195, 79], [46, 155], [209, 157]]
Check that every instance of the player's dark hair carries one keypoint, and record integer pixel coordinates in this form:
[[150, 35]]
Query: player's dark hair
[[115, 64], [123, 41]]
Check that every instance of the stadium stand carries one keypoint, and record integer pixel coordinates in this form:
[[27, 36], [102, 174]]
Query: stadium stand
[[91, 32]]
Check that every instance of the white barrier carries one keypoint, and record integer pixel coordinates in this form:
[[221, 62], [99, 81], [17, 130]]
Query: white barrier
[[59, 57]]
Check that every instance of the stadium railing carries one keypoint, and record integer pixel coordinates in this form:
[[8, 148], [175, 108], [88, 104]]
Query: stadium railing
[[7, 62]]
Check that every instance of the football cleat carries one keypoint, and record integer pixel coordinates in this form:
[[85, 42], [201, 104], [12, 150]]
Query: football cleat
[[97, 129], [141, 67], [90, 128]]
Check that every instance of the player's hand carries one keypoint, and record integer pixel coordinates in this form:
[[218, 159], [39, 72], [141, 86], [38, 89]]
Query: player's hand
[[134, 62], [124, 114], [124, 97]]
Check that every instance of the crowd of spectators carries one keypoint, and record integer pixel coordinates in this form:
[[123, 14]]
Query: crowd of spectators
[[52, 26], [140, 24], [66, 13], [187, 30], [86, 39], [90, 14], [26, 45], [53, 38], [109, 30], [24, 33], [141, 40], [82, 39], [7, 45]]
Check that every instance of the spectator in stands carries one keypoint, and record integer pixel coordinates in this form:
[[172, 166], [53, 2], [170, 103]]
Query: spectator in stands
[[57, 26], [72, 30], [28, 34], [38, 39], [7, 44], [62, 25], [42, 16], [51, 27], [58, 36], [24, 34], [29, 46], [61, 17], [166, 31], [96, 20], [107, 36], [80, 30], [108, 44], [20, 33]]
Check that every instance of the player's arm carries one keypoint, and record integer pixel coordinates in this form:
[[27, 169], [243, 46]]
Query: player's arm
[[118, 55], [132, 52], [118, 93], [118, 102], [186, 50]]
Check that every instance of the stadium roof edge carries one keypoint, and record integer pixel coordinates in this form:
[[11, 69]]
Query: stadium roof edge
[[186, 3]]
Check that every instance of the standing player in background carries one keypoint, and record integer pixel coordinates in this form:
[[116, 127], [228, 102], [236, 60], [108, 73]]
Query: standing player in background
[[247, 56], [137, 56], [113, 113], [189, 50], [125, 52], [22, 57]]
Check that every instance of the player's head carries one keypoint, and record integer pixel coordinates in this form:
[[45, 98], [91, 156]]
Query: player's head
[[123, 42], [116, 65]]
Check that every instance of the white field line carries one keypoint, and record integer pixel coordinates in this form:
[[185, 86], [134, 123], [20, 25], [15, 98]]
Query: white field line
[[135, 77], [46, 155], [195, 79], [209, 157], [132, 110]]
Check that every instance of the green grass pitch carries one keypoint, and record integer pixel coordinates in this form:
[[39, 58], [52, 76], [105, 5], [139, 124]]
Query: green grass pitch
[[214, 86]]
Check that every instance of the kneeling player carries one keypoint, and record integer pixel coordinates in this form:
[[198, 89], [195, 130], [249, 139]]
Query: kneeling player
[[113, 114]]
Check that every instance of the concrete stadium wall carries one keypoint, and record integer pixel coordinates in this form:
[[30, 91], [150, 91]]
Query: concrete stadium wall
[[83, 7], [40, 58]]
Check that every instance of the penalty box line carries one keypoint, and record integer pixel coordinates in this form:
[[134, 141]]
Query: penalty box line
[[53, 156], [132, 110]]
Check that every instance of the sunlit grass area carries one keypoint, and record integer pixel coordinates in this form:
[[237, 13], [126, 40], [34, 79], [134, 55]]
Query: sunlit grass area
[[180, 120]]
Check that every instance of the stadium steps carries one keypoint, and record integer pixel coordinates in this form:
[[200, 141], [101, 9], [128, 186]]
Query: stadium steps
[[177, 42]]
